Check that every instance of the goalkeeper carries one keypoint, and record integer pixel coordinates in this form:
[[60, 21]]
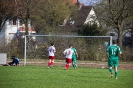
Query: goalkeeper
[[75, 54], [15, 60]]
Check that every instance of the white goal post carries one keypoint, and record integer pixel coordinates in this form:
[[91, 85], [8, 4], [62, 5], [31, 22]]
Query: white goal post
[[36, 45]]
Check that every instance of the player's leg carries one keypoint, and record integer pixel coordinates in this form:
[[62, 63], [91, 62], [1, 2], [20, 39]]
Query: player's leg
[[52, 61], [116, 68], [9, 64], [74, 62], [49, 62], [110, 64], [68, 63], [116, 72], [111, 71], [16, 64]]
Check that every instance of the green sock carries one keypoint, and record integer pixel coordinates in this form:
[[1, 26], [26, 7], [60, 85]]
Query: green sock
[[110, 70], [116, 74], [73, 65]]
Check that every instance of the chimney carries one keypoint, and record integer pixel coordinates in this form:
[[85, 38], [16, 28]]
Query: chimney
[[75, 1], [78, 3]]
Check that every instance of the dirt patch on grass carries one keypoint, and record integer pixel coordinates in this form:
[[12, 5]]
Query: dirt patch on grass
[[90, 64]]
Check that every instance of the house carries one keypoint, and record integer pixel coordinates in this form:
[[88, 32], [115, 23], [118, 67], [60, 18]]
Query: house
[[84, 15], [12, 30]]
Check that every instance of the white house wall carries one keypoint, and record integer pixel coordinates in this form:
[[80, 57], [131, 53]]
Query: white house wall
[[91, 17], [8, 32], [2, 38]]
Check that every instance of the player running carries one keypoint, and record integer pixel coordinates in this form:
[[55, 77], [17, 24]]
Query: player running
[[51, 51], [75, 54], [113, 59], [68, 52]]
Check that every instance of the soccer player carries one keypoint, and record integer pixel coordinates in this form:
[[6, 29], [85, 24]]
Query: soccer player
[[15, 60], [51, 51], [75, 54], [113, 59], [68, 53]]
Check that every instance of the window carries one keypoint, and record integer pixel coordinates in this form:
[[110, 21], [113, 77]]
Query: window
[[14, 21], [10, 22]]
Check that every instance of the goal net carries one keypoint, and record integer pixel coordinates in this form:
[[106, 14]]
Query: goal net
[[91, 48]]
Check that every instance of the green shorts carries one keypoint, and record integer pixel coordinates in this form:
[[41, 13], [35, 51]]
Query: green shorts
[[113, 61]]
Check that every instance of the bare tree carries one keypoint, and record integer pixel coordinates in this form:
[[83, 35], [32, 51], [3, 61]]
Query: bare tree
[[26, 8], [116, 14], [7, 11]]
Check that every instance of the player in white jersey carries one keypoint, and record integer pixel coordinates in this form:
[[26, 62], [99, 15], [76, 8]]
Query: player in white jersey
[[51, 51], [68, 52]]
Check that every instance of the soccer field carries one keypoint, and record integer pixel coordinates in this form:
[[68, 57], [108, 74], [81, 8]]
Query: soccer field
[[57, 77]]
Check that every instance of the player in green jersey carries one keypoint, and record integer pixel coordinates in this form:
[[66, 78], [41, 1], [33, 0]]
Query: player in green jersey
[[74, 62], [113, 59]]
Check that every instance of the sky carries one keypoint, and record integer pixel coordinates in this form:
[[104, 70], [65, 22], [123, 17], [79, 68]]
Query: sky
[[88, 2]]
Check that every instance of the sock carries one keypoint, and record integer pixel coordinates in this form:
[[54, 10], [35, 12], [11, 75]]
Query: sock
[[67, 66], [116, 74], [73, 65], [110, 69], [49, 63]]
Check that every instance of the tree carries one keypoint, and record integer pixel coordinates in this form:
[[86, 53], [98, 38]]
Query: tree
[[116, 14], [26, 9], [89, 30], [50, 13], [7, 11]]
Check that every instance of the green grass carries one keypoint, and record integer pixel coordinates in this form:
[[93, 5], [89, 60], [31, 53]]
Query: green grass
[[57, 77]]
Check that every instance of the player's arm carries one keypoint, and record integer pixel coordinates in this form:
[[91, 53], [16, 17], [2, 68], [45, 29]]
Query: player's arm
[[76, 54], [120, 51], [54, 50]]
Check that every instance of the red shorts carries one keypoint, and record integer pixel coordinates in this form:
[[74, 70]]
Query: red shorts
[[68, 60], [51, 57]]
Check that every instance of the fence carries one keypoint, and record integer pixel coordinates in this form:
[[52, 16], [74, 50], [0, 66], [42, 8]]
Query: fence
[[35, 47]]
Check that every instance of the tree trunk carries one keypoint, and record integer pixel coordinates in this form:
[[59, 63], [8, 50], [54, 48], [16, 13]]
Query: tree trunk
[[26, 26], [120, 37], [27, 21]]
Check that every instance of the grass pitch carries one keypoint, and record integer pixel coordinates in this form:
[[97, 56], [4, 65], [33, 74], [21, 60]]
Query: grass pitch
[[57, 77]]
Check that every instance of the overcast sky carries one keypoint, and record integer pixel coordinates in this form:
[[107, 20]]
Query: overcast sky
[[88, 2]]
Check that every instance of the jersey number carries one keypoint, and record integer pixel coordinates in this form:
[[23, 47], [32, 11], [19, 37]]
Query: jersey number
[[113, 52]]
